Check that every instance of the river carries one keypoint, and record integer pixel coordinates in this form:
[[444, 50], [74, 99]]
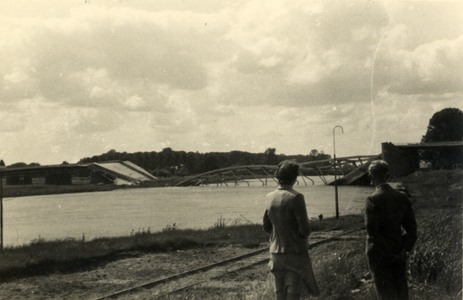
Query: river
[[120, 212]]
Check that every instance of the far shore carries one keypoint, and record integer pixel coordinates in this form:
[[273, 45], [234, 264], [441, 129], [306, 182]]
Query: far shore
[[13, 191]]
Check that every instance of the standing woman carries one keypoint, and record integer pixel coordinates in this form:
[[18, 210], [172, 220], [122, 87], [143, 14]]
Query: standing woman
[[286, 221]]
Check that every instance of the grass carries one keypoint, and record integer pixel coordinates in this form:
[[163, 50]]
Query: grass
[[45, 257], [10, 191], [437, 255], [42, 257]]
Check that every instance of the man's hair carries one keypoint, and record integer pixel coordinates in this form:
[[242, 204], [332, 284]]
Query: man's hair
[[378, 168], [287, 172]]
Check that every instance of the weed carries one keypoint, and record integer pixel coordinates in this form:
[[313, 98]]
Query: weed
[[220, 223], [339, 271], [169, 228]]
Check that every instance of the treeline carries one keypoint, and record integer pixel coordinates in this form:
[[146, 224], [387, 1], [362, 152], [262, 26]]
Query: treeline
[[169, 163]]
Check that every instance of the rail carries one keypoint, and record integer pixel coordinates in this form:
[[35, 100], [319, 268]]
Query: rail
[[171, 284]]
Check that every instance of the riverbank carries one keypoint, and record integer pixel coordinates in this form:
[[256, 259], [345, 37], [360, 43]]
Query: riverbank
[[25, 190], [14, 191], [79, 269]]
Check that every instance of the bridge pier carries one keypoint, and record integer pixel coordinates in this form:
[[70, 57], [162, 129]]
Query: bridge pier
[[401, 161]]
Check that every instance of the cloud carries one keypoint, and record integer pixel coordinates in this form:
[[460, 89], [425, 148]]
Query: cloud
[[11, 122], [88, 120], [67, 60], [81, 79], [433, 68], [297, 53], [308, 59]]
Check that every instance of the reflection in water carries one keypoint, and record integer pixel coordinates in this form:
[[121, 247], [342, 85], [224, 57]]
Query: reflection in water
[[119, 212]]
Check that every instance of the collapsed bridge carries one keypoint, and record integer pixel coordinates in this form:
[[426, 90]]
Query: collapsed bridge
[[352, 170]]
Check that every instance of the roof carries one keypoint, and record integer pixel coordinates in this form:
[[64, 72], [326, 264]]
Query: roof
[[430, 144], [125, 170]]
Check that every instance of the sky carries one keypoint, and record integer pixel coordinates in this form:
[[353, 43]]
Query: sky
[[82, 77]]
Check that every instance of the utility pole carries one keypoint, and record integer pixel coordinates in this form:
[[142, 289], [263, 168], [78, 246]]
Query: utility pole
[[335, 163], [2, 172]]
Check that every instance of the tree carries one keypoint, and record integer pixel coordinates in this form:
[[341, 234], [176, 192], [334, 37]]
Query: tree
[[162, 172], [168, 157], [270, 156], [18, 165], [444, 126], [211, 162]]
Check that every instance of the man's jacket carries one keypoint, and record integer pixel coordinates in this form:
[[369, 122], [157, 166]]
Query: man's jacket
[[387, 211]]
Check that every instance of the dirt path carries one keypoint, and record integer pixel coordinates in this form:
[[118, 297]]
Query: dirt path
[[132, 269]]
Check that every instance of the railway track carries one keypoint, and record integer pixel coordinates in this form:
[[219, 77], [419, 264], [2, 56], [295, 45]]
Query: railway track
[[171, 284]]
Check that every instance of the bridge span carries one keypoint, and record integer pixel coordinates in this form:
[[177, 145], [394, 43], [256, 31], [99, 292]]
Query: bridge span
[[351, 170]]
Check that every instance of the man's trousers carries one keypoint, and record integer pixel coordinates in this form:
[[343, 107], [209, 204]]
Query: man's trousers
[[390, 279]]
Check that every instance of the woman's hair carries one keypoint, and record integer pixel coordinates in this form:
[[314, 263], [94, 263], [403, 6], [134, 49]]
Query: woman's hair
[[287, 172]]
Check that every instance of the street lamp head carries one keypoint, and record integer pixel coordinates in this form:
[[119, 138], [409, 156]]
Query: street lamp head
[[2, 168], [338, 126], [334, 140]]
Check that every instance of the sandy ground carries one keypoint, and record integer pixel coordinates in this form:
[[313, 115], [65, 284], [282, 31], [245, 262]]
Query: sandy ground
[[131, 269]]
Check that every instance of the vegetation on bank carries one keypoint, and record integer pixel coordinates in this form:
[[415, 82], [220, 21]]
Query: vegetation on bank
[[435, 265], [437, 256], [42, 257], [13, 191]]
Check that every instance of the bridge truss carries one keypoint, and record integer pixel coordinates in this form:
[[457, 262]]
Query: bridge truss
[[349, 170]]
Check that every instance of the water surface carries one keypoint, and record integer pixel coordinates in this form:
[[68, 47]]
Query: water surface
[[120, 212]]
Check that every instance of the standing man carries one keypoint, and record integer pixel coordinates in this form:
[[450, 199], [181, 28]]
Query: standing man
[[387, 211]]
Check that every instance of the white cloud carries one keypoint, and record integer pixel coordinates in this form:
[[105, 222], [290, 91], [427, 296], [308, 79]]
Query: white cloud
[[433, 68], [135, 102], [16, 76]]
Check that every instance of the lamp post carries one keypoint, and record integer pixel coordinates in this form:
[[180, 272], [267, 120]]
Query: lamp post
[[335, 163], [2, 172]]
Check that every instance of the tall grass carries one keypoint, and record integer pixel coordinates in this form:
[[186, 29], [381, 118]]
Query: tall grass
[[437, 256], [337, 268]]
